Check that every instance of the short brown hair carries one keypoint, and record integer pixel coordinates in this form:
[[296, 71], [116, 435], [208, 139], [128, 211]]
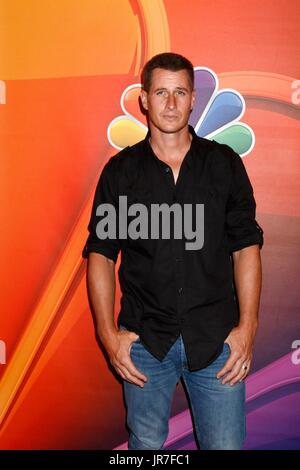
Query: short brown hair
[[167, 61]]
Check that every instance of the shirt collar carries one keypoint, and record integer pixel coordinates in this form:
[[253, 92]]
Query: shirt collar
[[189, 154]]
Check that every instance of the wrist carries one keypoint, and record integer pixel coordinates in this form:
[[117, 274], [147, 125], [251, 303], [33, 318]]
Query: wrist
[[106, 332], [248, 325]]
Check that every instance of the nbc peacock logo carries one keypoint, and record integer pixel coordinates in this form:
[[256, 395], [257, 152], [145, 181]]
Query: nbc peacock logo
[[216, 115]]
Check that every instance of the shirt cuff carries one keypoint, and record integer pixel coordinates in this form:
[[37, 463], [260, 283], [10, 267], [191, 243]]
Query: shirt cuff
[[102, 250]]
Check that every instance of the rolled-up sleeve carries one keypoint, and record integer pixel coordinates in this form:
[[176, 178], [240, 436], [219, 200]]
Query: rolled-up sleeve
[[106, 193], [241, 226]]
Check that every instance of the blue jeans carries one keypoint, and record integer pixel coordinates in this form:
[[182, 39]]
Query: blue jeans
[[218, 410]]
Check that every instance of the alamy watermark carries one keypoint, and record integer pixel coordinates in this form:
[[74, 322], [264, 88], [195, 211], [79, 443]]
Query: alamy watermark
[[2, 352], [296, 93], [2, 92], [160, 222], [295, 358]]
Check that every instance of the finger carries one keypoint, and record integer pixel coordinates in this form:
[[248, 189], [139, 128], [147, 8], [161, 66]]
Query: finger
[[245, 373], [122, 369], [135, 372], [239, 378], [125, 364], [132, 373], [130, 378], [229, 364], [131, 335], [134, 337], [120, 373], [241, 375], [234, 372]]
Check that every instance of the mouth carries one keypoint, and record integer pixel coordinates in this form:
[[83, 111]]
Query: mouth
[[170, 118]]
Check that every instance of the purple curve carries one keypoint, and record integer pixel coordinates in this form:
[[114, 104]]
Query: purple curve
[[205, 85], [275, 375]]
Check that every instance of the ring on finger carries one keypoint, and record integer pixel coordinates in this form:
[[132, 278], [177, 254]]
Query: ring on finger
[[245, 370]]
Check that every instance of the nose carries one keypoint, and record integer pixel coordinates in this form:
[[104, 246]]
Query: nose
[[171, 103]]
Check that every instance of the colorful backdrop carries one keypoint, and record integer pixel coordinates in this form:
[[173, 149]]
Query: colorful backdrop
[[65, 69]]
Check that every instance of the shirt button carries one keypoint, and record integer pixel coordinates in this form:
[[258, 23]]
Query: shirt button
[[167, 169], [180, 290]]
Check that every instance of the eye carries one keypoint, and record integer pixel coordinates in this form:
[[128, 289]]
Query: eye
[[181, 92]]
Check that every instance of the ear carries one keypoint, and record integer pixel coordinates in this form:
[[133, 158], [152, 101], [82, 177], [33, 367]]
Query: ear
[[144, 99], [193, 98]]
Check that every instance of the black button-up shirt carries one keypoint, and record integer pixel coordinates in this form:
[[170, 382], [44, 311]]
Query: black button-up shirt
[[166, 288]]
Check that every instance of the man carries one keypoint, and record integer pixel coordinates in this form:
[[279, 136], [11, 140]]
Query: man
[[179, 314]]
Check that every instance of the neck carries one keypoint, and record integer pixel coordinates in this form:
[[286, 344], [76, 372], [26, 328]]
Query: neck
[[171, 145]]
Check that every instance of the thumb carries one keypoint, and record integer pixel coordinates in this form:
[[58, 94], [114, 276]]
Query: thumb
[[135, 335]]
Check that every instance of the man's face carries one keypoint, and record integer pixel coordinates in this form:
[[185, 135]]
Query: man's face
[[169, 100]]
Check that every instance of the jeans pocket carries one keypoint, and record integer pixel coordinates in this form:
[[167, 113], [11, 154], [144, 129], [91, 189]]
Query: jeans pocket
[[226, 347]]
